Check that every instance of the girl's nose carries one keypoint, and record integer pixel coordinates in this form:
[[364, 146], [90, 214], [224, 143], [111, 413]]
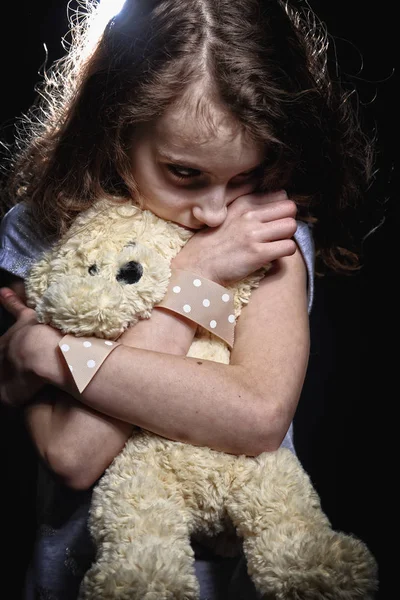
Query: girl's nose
[[211, 212]]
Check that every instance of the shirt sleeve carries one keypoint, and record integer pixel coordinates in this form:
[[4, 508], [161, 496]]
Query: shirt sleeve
[[21, 241], [305, 242]]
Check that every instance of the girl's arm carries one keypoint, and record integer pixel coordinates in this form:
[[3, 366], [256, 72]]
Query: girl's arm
[[251, 236], [77, 442], [245, 407], [56, 421]]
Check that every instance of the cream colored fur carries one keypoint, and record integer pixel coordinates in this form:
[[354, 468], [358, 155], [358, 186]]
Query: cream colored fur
[[158, 493]]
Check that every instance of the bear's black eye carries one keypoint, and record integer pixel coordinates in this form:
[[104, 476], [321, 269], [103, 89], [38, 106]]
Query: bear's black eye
[[93, 270], [130, 273]]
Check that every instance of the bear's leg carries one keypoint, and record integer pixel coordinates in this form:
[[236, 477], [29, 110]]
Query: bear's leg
[[291, 550], [141, 531]]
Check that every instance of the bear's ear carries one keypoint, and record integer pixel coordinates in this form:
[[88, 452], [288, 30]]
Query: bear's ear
[[37, 281]]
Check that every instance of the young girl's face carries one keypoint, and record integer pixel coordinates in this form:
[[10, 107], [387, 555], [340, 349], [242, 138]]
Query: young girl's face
[[189, 172]]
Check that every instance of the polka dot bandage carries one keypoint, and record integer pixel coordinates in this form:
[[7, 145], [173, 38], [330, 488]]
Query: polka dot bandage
[[202, 301], [84, 356]]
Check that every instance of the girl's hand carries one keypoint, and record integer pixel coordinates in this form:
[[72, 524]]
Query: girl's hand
[[257, 230], [24, 344]]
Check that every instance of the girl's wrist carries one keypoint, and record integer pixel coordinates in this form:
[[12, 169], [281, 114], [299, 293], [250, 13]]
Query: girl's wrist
[[202, 301], [179, 262]]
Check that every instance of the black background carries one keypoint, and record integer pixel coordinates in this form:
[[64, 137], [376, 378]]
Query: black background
[[346, 423]]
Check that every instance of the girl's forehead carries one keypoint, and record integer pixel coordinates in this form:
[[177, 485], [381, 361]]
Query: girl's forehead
[[199, 122], [185, 129]]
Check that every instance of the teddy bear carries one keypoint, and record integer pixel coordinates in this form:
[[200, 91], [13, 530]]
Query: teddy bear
[[107, 272]]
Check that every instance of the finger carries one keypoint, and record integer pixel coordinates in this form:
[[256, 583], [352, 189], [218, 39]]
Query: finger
[[272, 231], [264, 210], [12, 302], [269, 226], [278, 249], [262, 198], [280, 229], [275, 211]]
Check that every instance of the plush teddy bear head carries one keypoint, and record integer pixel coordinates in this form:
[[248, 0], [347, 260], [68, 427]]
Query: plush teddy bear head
[[107, 272]]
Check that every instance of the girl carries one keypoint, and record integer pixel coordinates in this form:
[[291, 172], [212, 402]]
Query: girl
[[222, 117]]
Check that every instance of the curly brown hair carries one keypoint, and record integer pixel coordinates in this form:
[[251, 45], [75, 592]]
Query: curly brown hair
[[268, 63]]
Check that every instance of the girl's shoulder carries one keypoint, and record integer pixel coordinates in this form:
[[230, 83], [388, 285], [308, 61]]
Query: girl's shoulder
[[21, 240], [17, 216]]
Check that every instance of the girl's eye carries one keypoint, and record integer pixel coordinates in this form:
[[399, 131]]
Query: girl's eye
[[182, 172]]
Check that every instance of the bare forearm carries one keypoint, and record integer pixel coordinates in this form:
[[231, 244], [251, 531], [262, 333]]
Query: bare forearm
[[185, 399], [165, 331]]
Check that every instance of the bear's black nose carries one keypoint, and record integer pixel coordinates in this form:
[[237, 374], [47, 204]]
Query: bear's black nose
[[130, 273]]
